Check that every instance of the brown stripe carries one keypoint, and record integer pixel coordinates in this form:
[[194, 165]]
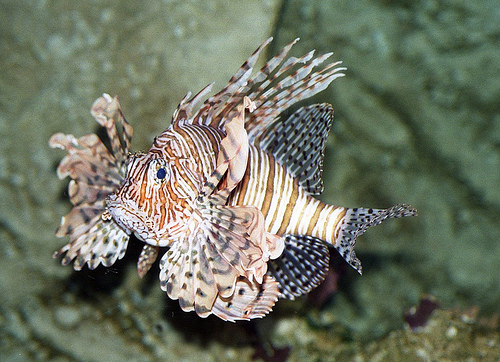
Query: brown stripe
[[156, 152], [212, 138], [142, 193], [269, 194], [250, 172], [163, 204], [289, 208], [339, 218], [315, 217], [173, 196], [243, 186]]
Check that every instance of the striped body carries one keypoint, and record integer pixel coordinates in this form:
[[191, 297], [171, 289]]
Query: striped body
[[287, 207]]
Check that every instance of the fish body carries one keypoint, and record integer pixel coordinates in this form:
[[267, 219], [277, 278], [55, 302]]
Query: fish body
[[228, 190]]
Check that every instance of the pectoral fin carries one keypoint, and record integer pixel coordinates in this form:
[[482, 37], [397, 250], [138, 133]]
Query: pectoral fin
[[95, 172], [223, 244], [94, 243]]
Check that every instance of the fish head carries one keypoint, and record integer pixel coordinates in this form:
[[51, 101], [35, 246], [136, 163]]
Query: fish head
[[143, 203]]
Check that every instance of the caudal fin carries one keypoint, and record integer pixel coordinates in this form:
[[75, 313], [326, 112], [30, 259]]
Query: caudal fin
[[355, 223]]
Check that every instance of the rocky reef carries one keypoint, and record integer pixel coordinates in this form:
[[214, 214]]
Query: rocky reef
[[417, 121]]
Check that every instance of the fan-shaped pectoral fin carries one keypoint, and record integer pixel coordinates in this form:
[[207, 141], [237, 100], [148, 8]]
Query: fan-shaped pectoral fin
[[224, 243], [239, 232]]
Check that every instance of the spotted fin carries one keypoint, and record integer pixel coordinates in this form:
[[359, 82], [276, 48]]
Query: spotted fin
[[227, 242], [250, 300], [356, 221], [103, 243], [299, 143], [95, 173], [148, 256], [187, 274], [279, 84], [302, 266]]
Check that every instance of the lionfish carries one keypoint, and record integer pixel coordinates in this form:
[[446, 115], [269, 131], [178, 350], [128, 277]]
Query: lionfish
[[227, 189]]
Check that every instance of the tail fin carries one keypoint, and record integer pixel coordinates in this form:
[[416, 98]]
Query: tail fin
[[355, 223]]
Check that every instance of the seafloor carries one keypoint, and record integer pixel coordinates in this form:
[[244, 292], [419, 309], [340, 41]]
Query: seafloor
[[417, 121]]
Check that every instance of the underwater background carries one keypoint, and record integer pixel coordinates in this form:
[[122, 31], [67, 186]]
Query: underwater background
[[417, 120]]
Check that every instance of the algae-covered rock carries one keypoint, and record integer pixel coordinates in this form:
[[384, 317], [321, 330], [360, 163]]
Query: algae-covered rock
[[416, 122], [446, 337]]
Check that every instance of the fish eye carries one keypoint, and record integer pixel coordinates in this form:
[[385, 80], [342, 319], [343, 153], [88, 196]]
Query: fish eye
[[161, 173], [159, 170]]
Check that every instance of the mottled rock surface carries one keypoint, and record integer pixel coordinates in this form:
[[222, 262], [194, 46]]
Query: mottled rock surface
[[417, 121]]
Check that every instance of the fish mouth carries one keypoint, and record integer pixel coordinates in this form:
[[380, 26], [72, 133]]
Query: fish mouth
[[129, 217]]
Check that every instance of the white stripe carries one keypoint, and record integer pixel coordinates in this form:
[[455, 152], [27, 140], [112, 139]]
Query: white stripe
[[275, 198], [283, 194], [332, 223], [307, 214], [297, 213]]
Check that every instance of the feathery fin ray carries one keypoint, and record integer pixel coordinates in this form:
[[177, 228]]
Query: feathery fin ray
[[250, 300], [279, 84], [95, 173]]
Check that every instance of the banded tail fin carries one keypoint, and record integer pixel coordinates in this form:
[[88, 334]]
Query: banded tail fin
[[356, 221]]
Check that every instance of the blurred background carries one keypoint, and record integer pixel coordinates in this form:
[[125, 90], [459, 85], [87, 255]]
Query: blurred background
[[417, 121]]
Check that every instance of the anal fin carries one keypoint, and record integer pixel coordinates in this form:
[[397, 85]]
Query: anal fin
[[302, 266]]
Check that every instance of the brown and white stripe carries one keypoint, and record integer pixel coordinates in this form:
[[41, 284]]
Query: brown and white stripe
[[287, 207]]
